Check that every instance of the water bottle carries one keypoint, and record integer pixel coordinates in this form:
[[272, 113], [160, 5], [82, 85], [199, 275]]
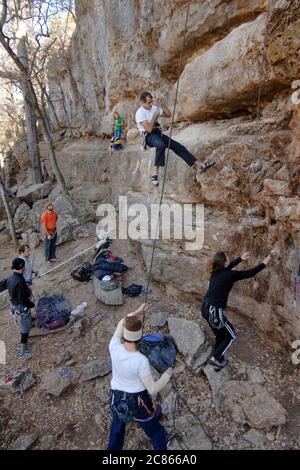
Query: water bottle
[[79, 309]]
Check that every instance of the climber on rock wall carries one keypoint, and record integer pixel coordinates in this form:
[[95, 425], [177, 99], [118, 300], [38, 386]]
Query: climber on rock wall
[[147, 122], [222, 279]]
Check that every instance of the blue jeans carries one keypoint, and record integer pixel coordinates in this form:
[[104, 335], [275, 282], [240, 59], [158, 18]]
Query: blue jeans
[[161, 142], [152, 428], [50, 247], [118, 133]]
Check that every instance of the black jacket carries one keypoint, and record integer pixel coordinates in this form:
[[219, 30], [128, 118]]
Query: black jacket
[[19, 292], [221, 282]]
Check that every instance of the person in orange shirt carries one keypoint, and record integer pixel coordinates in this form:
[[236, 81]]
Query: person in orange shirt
[[49, 231]]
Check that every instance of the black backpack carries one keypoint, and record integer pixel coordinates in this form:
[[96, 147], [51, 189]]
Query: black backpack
[[83, 273], [3, 285], [133, 290]]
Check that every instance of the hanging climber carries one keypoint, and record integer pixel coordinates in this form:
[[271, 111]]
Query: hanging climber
[[147, 122], [222, 279], [132, 386]]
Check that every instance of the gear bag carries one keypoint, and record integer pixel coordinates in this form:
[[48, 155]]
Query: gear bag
[[83, 273], [159, 349]]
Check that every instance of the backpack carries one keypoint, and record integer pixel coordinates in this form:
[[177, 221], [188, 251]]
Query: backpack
[[52, 311], [83, 273], [116, 143], [133, 290], [3, 285], [159, 349]]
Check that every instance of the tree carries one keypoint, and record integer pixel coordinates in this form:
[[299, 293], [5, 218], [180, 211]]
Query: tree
[[24, 77], [8, 212]]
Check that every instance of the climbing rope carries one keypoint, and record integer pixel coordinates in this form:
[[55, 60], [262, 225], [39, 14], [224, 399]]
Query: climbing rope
[[251, 171], [167, 155]]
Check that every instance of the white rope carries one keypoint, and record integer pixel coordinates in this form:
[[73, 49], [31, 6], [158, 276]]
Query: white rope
[[67, 261]]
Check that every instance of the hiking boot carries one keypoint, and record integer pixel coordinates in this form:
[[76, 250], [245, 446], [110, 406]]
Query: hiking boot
[[218, 363], [53, 260], [154, 180], [25, 354]]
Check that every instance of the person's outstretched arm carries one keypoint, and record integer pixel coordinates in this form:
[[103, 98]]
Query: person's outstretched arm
[[120, 327], [238, 260], [239, 275]]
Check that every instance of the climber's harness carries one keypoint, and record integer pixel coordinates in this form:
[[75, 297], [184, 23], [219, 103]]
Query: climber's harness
[[133, 406], [156, 130]]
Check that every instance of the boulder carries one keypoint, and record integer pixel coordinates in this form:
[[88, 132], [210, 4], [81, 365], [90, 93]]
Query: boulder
[[190, 341], [217, 380], [24, 442], [95, 369], [192, 434], [156, 319], [251, 404], [255, 375], [31, 238], [57, 382], [112, 297], [276, 187], [256, 438], [34, 192], [132, 134], [23, 218], [62, 357]]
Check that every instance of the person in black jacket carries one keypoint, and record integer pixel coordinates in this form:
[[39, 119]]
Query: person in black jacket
[[222, 279], [20, 298]]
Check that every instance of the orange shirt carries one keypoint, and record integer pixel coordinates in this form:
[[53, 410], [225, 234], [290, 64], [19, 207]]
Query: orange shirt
[[49, 219]]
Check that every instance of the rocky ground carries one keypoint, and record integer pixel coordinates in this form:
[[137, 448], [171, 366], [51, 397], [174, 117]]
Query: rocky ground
[[252, 404]]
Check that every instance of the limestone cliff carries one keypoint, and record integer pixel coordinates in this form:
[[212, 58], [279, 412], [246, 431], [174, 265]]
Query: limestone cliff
[[122, 47]]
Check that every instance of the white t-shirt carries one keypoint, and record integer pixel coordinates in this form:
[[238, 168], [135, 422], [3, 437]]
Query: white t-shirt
[[128, 368], [143, 114]]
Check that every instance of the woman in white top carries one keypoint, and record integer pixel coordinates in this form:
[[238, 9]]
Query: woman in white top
[[132, 385]]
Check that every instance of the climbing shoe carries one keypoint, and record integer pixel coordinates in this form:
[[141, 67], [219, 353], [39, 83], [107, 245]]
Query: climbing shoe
[[207, 166], [219, 364], [154, 180], [25, 354]]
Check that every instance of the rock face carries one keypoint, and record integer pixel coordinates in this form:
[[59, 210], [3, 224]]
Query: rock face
[[24, 442], [192, 434], [251, 404], [190, 340], [233, 50], [96, 369], [34, 192], [56, 382]]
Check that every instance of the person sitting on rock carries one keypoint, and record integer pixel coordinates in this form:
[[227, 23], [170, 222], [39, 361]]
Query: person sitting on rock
[[49, 231], [118, 125], [147, 122], [20, 298], [132, 386], [222, 279]]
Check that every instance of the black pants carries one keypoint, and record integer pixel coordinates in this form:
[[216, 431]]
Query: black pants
[[161, 142], [222, 328]]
